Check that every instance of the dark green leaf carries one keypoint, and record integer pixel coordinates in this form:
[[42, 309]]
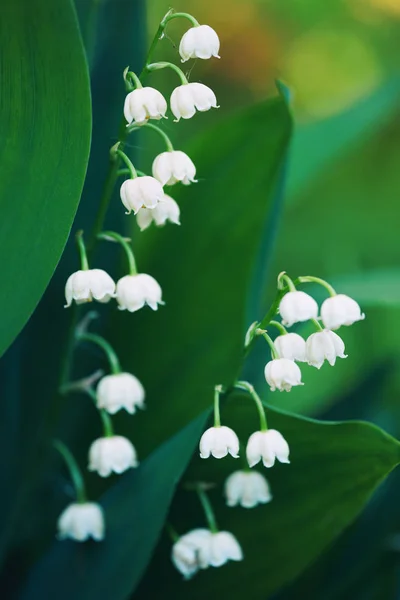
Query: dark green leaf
[[45, 131]]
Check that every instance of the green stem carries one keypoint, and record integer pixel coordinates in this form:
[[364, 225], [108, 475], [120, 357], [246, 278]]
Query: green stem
[[160, 132], [82, 250], [173, 534], [325, 284], [279, 327], [208, 510], [104, 345], [112, 235], [73, 469], [273, 310], [181, 15], [131, 75], [271, 344], [282, 279], [107, 423], [217, 414], [128, 163], [167, 65], [245, 385], [317, 325]]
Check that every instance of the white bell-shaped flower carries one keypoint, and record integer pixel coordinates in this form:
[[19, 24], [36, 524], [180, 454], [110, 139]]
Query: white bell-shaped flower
[[247, 488], [296, 307], [189, 97], [173, 166], [81, 521], [218, 442], [218, 549], [85, 286], [112, 454], [141, 192], [167, 210], [199, 42], [135, 291], [121, 390], [324, 345], [282, 374], [291, 346], [340, 310], [185, 552], [143, 104], [267, 446]]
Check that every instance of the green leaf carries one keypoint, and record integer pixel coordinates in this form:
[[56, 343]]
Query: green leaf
[[335, 467], [378, 287], [135, 510], [204, 268], [45, 131]]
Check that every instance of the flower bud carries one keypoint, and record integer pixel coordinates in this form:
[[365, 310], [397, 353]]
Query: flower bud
[[296, 307], [112, 454], [121, 390], [167, 210], [189, 97], [291, 346], [199, 42], [246, 488], [218, 442], [173, 166], [141, 192], [282, 374], [324, 345], [143, 104], [340, 310], [135, 291], [267, 446], [81, 522], [85, 286]]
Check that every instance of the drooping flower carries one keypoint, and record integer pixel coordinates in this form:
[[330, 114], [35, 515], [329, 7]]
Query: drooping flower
[[247, 488], [167, 210], [85, 286], [185, 551], [173, 166], [267, 446], [218, 442], [340, 310], [189, 97], [291, 346], [120, 390], [81, 521], [324, 345], [296, 307], [199, 42], [141, 192], [135, 291], [112, 454], [282, 374], [143, 104]]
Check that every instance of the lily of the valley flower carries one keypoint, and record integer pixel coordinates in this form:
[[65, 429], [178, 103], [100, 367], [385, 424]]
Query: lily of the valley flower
[[135, 291], [112, 454], [85, 286], [81, 521], [120, 390], [282, 374], [167, 210], [199, 42], [141, 192], [247, 488], [173, 166], [189, 97], [218, 442], [185, 555], [340, 310], [324, 345], [291, 346], [267, 446], [143, 104], [296, 307]]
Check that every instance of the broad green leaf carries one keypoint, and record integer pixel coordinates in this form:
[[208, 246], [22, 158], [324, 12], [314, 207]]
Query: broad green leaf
[[335, 467], [135, 509], [204, 268], [45, 121]]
